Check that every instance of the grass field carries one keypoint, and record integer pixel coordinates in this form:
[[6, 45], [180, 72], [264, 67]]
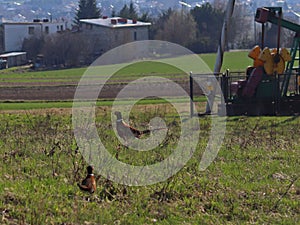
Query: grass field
[[23, 77], [236, 61], [36, 105], [253, 180]]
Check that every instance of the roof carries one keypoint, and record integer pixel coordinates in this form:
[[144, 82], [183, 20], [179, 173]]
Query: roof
[[115, 22], [296, 14], [11, 54], [35, 22]]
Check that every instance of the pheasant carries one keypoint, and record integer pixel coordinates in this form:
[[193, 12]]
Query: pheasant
[[126, 131], [89, 183]]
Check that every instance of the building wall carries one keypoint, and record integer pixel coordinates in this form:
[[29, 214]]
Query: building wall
[[15, 33], [108, 38]]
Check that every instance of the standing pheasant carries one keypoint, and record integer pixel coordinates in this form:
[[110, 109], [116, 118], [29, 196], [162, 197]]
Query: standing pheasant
[[89, 183], [125, 131]]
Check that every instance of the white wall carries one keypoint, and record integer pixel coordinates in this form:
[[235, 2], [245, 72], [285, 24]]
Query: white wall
[[109, 38], [15, 33]]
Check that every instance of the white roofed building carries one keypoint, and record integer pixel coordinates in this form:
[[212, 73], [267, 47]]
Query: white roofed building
[[16, 32], [112, 32]]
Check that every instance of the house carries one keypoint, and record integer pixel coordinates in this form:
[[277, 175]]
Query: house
[[16, 32], [108, 33]]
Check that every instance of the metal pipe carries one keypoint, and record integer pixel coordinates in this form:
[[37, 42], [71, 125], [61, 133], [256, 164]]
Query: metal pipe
[[220, 53], [262, 36]]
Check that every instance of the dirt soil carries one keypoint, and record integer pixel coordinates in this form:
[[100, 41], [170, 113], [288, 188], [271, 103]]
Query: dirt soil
[[62, 91]]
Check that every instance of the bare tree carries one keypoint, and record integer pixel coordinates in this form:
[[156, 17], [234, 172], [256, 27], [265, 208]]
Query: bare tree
[[33, 46], [242, 32], [67, 49], [179, 28]]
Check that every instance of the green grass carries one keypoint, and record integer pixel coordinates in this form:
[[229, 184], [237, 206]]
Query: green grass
[[15, 73], [126, 74], [233, 60], [33, 105], [27, 105], [148, 68], [24, 77], [253, 180]]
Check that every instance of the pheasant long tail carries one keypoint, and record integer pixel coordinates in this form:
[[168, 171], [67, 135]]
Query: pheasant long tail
[[148, 131]]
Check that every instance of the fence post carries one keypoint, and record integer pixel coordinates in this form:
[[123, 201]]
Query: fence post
[[191, 96]]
